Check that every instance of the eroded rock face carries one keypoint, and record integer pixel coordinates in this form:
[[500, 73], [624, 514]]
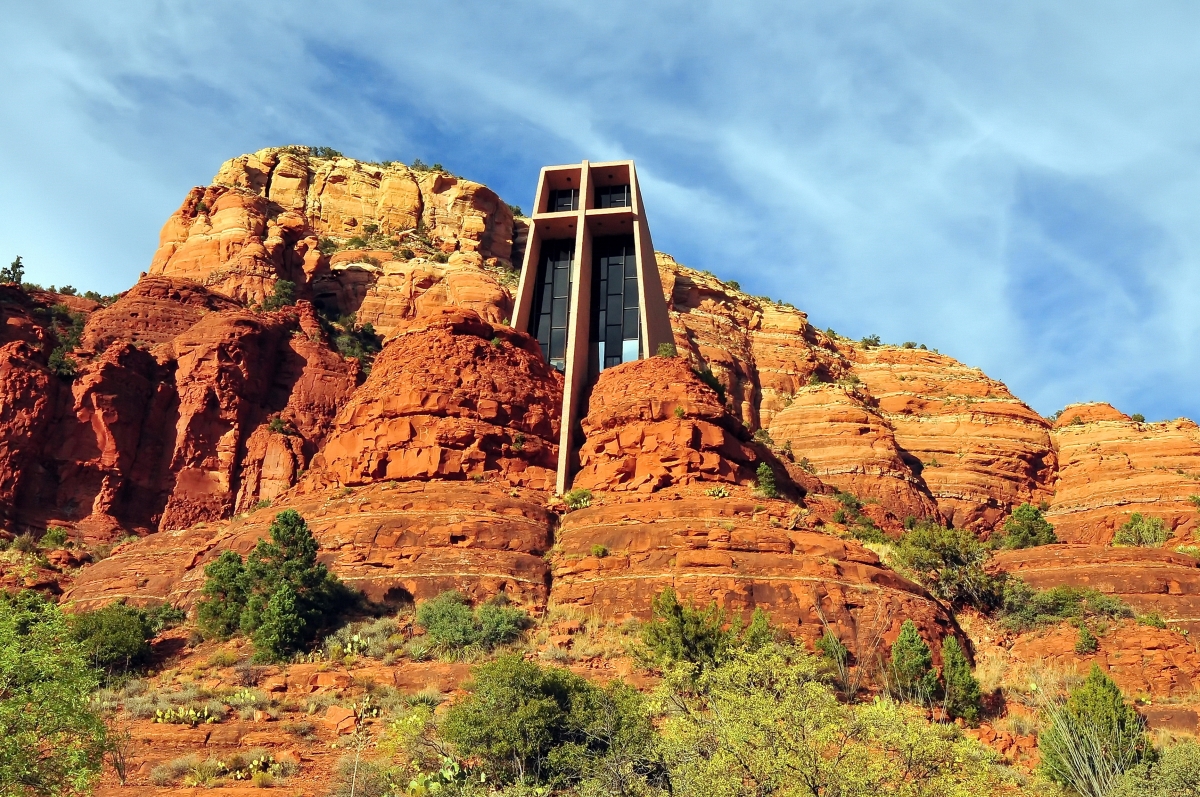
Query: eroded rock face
[[450, 396], [265, 214], [394, 542], [153, 311], [982, 451], [841, 437], [1148, 579], [653, 423], [1111, 466], [740, 553]]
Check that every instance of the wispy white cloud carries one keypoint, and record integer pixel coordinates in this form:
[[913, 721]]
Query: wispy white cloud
[[1013, 183]]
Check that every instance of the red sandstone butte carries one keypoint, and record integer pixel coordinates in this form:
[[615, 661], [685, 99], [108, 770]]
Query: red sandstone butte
[[450, 396]]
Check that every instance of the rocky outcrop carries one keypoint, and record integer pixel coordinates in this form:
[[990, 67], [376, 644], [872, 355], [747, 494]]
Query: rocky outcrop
[[1111, 466], [761, 351], [980, 450], [653, 423], [394, 542], [1148, 579], [153, 311], [389, 292], [224, 414], [266, 216], [835, 432], [451, 396], [742, 553]]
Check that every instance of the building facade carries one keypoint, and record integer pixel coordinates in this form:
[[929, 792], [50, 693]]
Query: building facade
[[590, 291]]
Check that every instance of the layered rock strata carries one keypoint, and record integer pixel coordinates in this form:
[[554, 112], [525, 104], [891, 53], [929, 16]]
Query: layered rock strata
[[1111, 466], [395, 542], [1148, 579]]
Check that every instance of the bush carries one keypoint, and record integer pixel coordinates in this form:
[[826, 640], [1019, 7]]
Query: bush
[[959, 687], [1147, 532], [1175, 774], [52, 741], [1092, 738], [578, 498], [280, 595], [599, 551], [1137, 417], [55, 537], [912, 676], [709, 378], [1025, 608], [950, 563], [115, 639], [452, 626], [667, 350], [764, 481], [544, 725], [1086, 642], [14, 272], [282, 295], [703, 637], [1026, 528], [719, 491]]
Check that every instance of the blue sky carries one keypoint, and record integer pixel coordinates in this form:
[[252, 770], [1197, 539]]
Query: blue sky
[[1016, 184]]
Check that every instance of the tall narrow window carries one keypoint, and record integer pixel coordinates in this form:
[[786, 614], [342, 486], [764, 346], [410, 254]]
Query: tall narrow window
[[616, 320], [612, 196], [552, 299], [563, 199]]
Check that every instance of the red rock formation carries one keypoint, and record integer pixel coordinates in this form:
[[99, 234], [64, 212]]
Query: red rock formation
[[266, 214], [1144, 661], [841, 437], [394, 542], [761, 351], [27, 394], [1148, 579], [153, 311], [653, 423], [1111, 467], [983, 451], [450, 396], [741, 553]]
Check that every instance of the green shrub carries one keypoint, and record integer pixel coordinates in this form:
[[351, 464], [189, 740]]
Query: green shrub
[[599, 551], [360, 342], [543, 725], [912, 676], [764, 481], [1091, 739], [55, 537], [719, 491], [1025, 608], [1086, 641], [14, 272], [734, 285], [1026, 528], [1137, 417], [52, 742], [764, 437], [871, 341], [667, 350], [961, 696], [709, 378], [452, 626], [578, 498], [1152, 620], [282, 295], [703, 637], [1176, 773], [280, 596], [1147, 532], [115, 639], [950, 563]]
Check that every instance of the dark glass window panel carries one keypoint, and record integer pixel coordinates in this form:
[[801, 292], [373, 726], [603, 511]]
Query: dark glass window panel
[[558, 316], [630, 265], [558, 344], [612, 196], [631, 294], [564, 199], [551, 299], [631, 323]]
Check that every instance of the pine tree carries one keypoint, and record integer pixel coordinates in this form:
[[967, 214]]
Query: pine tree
[[962, 698], [912, 665], [1093, 738], [14, 273], [219, 612], [282, 630], [1026, 527]]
